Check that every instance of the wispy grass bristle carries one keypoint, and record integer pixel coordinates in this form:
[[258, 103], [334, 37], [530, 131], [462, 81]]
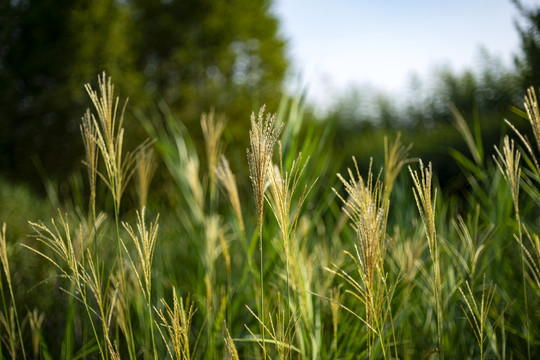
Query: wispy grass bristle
[[176, 322], [478, 313], [227, 180]]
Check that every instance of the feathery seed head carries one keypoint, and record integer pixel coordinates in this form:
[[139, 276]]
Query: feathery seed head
[[145, 242], [263, 135], [508, 163], [426, 203]]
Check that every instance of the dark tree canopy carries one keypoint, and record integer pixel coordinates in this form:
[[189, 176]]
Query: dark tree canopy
[[528, 62], [193, 54]]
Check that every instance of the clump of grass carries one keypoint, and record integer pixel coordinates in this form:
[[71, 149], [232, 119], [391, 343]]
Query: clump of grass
[[508, 163], [262, 137], [176, 322], [478, 317], [144, 240], [426, 201], [280, 331], [70, 262], [369, 217]]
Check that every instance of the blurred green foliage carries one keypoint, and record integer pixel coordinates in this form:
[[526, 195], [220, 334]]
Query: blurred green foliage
[[193, 54]]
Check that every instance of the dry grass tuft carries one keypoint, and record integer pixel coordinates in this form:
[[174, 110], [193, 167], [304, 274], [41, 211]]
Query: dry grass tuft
[[177, 323]]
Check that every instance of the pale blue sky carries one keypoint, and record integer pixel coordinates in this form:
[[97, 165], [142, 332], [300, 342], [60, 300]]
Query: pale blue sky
[[381, 43]]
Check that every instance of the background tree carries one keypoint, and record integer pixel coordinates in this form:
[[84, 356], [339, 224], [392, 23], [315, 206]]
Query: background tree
[[49, 48], [202, 54], [193, 54], [528, 62]]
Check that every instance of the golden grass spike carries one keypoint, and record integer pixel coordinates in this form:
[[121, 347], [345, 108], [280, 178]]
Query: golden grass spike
[[228, 181], [212, 129], [426, 201], [88, 132], [144, 240], [231, 348], [3, 254], [146, 166], [508, 163], [113, 350]]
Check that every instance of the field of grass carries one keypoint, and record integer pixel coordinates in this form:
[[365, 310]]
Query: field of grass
[[170, 251]]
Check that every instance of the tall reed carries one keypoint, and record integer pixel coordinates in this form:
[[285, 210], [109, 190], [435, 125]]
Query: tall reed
[[263, 135], [369, 218], [108, 134], [426, 201], [508, 163]]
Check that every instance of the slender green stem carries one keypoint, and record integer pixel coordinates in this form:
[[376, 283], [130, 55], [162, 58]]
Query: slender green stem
[[151, 318], [129, 336], [518, 218], [262, 288], [437, 281]]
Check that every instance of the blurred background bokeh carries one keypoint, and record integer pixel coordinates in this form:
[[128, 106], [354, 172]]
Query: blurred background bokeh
[[230, 56]]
